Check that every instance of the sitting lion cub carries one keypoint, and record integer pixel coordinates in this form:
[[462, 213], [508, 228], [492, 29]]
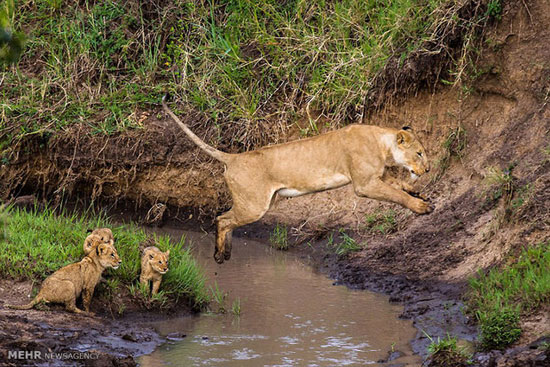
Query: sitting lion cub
[[154, 263], [66, 284], [105, 234]]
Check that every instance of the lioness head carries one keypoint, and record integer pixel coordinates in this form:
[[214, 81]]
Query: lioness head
[[410, 153], [158, 260], [107, 255]]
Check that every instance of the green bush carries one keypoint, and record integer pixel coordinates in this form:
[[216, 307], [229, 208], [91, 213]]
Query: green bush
[[499, 329]]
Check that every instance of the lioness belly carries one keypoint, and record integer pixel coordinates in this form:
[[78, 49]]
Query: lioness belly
[[320, 184]]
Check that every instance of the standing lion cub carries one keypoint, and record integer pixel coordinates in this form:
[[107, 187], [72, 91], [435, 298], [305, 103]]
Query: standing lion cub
[[67, 283], [154, 264]]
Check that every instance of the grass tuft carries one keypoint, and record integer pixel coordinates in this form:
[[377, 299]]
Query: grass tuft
[[345, 244], [382, 222], [279, 237], [446, 353]]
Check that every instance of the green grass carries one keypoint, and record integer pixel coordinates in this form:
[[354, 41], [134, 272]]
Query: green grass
[[382, 222], [279, 237], [39, 242], [241, 64], [219, 297], [236, 307], [498, 298], [345, 244], [446, 353]]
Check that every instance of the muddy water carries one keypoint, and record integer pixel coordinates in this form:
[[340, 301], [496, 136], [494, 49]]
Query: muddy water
[[290, 316]]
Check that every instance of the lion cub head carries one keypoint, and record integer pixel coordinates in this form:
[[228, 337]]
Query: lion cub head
[[410, 153], [157, 259], [105, 235], [105, 253]]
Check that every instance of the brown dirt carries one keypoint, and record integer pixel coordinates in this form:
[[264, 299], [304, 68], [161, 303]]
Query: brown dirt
[[111, 339]]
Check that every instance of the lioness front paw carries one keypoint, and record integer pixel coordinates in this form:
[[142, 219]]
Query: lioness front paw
[[421, 207]]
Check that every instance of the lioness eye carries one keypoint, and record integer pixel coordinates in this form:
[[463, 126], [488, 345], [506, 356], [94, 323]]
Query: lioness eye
[[419, 154]]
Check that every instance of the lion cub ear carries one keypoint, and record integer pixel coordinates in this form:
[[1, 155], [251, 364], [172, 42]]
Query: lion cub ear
[[403, 137], [101, 248], [151, 256], [167, 253]]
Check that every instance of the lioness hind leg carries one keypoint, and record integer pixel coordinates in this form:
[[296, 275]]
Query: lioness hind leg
[[228, 245], [236, 217]]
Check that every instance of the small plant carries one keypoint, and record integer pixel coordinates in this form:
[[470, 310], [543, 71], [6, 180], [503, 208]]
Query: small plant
[[279, 237], [142, 294], [494, 9], [382, 222], [236, 307], [446, 353], [546, 152], [453, 146], [499, 329], [218, 297], [345, 245], [500, 182]]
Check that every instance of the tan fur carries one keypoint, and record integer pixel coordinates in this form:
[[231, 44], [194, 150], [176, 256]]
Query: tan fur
[[66, 284], [356, 154], [105, 234], [154, 263]]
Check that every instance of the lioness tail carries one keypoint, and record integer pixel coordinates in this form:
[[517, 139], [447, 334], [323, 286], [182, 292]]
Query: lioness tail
[[214, 153]]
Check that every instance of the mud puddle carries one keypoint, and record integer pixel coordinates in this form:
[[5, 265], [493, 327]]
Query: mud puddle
[[290, 315]]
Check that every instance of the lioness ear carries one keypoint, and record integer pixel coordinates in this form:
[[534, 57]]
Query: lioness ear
[[402, 138]]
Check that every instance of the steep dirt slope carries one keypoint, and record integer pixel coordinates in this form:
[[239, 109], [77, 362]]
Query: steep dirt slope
[[497, 120]]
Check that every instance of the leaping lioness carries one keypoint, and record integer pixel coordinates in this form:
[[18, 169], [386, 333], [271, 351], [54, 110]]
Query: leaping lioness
[[355, 154]]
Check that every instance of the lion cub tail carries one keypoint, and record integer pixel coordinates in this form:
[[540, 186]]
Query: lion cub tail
[[214, 153], [28, 306]]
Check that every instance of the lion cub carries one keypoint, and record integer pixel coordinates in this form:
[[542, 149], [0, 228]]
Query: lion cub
[[154, 263], [105, 234], [67, 283]]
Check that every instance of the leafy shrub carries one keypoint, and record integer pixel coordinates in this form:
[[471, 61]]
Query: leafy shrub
[[499, 329]]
